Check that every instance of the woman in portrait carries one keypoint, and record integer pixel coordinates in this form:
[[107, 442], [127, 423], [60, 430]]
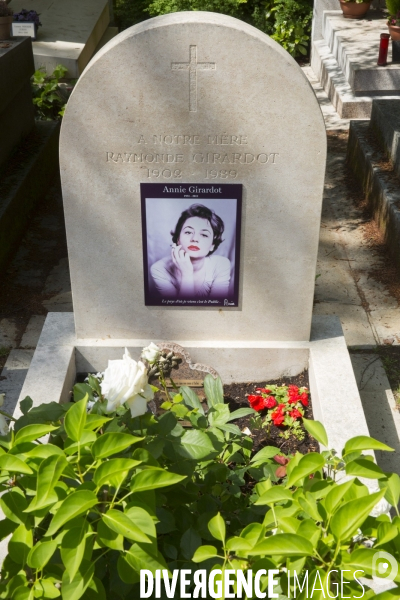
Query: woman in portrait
[[192, 270]]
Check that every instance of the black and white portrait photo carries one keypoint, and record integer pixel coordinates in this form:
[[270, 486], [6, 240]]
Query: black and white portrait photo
[[191, 239]]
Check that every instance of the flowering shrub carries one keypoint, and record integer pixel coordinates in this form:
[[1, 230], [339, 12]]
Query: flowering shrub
[[283, 406], [108, 495], [30, 16]]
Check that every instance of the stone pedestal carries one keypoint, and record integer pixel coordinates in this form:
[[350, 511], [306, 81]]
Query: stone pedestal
[[344, 59]]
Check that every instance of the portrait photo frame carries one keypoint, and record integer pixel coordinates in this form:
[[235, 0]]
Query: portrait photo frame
[[191, 244]]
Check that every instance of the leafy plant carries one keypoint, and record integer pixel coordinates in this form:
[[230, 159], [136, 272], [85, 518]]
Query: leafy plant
[[49, 97], [287, 21], [393, 7], [291, 24], [104, 496]]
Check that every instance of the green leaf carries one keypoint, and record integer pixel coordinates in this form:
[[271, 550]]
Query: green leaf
[[204, 553], [275, 494], [336, 494], [139, 558], [73, 548], [386, 533], [41, 553], [73, 590], [122, 524], [94, 421], [75, 419], [310, 463], [113, 443], [32, 432], [283, 544], [109, 538], [197, 444], [20, 544], [217, 528], [48, 474], [364, 468], [26, 404], [142, 519], [45, 589], [114, 471], [363, 442], [392, 488], [154, 478], [75, 504], [13, 504], [241, 412], [190, 541], [13, 464], [365, 559], [238, 544], [6, 527], [352, 515], [317, 430], [191, 399], [213, 390], [265, 453], [219, 414]]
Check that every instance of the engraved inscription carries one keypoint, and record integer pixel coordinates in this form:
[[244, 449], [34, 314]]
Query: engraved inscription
[[193, 66], [170, 155]]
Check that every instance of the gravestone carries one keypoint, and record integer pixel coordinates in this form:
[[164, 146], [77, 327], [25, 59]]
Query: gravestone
[[193, 101], [196, 109]]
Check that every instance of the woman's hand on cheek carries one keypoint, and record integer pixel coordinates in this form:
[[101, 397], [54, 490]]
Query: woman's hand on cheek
[[181, 260]]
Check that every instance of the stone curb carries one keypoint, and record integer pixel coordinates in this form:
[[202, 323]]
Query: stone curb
[[381, 188], [23, 181]]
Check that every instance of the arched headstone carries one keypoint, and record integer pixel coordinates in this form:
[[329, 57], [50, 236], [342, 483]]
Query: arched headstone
[[208, 108]]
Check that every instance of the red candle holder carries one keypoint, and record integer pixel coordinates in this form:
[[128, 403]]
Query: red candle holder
[[383, 49]]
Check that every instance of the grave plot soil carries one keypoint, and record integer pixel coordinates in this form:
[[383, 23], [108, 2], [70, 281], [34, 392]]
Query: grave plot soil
[[236, 394]]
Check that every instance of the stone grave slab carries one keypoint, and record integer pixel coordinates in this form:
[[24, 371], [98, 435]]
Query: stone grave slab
[[70, 32], [173, 118]]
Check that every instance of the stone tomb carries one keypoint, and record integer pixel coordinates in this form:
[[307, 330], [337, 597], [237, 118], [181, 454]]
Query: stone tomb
[[216, 101]]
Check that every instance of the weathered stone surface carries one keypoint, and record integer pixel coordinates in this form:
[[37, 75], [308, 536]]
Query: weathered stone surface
[[111, 132]]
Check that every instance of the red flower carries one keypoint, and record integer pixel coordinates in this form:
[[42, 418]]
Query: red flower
[[295, 414], [263, 390], [293, 399], [256, 402], [293, 389], [304, 398], [270, 402], [278, 417]]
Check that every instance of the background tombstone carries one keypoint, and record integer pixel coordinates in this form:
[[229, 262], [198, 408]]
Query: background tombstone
[[193, 98]]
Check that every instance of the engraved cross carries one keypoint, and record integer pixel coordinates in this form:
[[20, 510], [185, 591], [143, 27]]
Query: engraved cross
[[193, 66]]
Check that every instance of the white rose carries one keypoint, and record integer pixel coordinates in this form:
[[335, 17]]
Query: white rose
[[3, 426], [151, 353], [126, 381]]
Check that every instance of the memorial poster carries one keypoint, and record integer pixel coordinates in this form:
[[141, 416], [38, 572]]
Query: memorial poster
[[191, 244]]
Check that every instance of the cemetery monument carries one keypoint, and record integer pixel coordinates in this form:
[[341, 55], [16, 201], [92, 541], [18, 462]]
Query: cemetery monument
[[180, 115]]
